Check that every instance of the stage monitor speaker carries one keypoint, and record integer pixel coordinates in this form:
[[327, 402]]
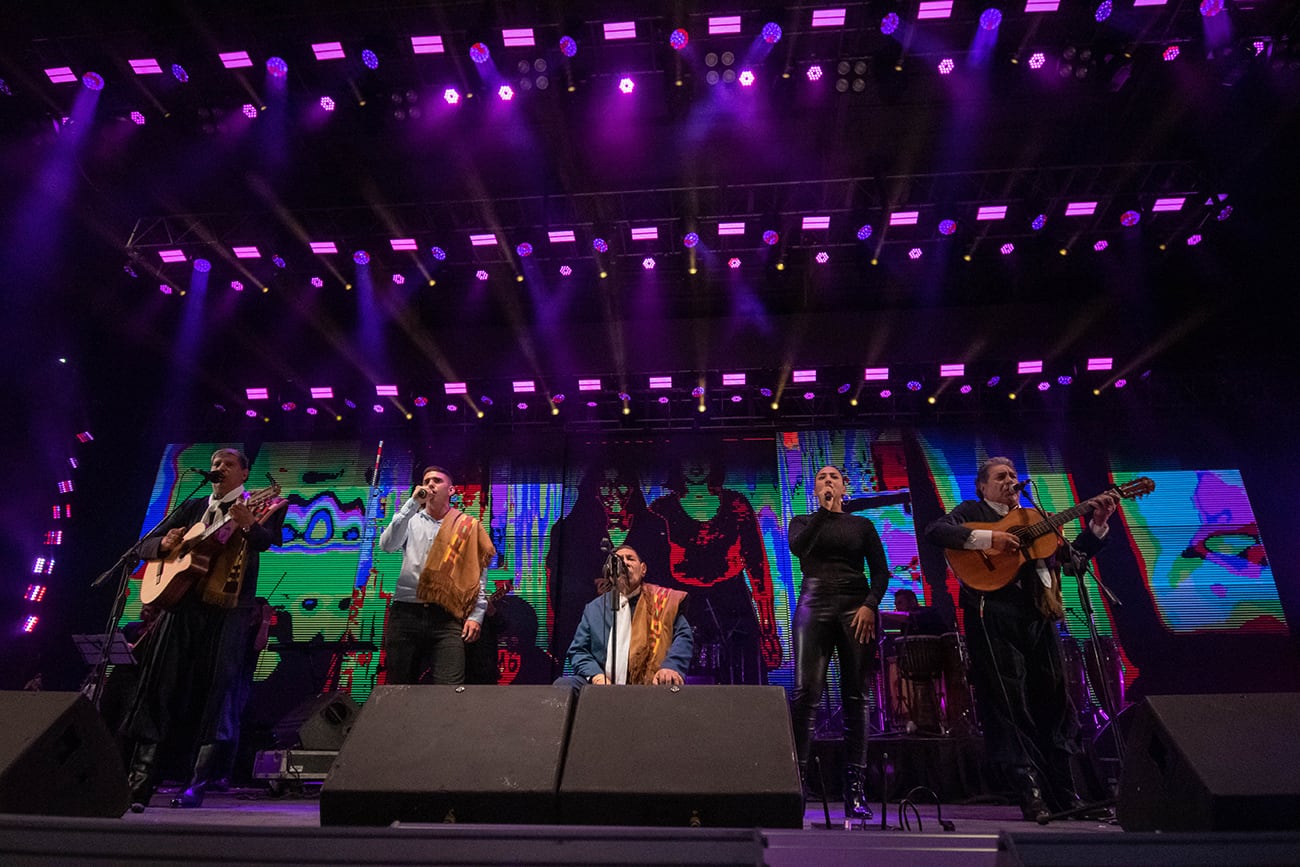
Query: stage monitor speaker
[[1212, 763], [319, 723], [716, 756], [451, 753], [57, 757]]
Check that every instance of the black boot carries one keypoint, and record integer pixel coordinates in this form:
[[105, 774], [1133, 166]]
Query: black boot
[[192, 796], [856, 808], [1060, 776], [1032, 805], [140, 775]]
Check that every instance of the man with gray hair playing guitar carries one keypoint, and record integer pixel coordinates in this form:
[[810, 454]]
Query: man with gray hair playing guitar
[[1005, 557]]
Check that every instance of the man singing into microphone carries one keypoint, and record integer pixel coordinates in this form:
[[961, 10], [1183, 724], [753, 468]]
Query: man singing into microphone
[[1017, 667], [439, 602], [652, 641]]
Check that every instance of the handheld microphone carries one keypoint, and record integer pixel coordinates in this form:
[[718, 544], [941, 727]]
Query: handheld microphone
[[211, 477], [1021, 485]]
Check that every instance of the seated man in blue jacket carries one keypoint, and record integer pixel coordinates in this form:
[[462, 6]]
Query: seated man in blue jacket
[[653, 638]]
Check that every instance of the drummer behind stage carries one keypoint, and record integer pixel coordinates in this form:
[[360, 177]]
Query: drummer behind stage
[[1017, 667]]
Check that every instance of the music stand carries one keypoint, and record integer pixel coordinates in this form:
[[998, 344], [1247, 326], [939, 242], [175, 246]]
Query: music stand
[[93, 649]]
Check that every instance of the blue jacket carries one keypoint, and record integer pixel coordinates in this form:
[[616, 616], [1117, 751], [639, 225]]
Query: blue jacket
[[591, 641]]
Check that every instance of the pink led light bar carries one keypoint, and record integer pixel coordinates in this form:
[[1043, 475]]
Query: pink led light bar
[[828, 18], [589, 385], [145, 66], [1174, 203], [733, 379], [661, 382], [1029, 367], [325, 393], [518, 38], [524, 386], [246, 252], [321, 247], [427, 45], [454, 388], [235, 59], [875, 374], [257, 393], [815, 223], [172, 255], [61, 74], [720, 24], [1101, 363], [731, 228], [402, 243], [648, 233], [1042, 5], [804, 376], [991, 212], [952, 370], [1080, 209], [904, 218], [564, 236], [328, 50], [1137, 3], [930, 9], [486, 240], [386, 391], [620, 30]]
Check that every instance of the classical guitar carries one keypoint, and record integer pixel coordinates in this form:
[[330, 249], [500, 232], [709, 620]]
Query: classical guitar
[[166, 581], [992, 570]]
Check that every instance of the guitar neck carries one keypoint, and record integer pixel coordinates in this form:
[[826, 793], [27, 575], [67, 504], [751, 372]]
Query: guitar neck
[[1060, 519]]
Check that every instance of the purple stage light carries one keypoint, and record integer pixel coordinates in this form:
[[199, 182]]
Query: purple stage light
[[251, 413], [648, 263], [1193, 240], [844, 389], [690, 239], [914, 253], [746, 78], [808, 395], [591, 404], [1007, 249], [317, 282], [1100, 245], [770, 237], [663, 398], [179, 73], [1224, 214], [815, 72], [481, 274], [379, 407], [164, 289], [678, 39], [568, 46], [1064, 379], [864, 232], [627, 85], [1044, 386], [1210, 8], [565, 271], [889, 24], [278, 261], [370, 59], [735, 398], [990, 19], [327, 103], [913, 385], [278, 68], [349, 403], [624, 396], [886, 393], [965, 389], [130, 271], [93, 81], [524, 250], [946, 66], [698, 391], [451, 95], [438, 253], [1130, 218], [1171, 53], [822, 257], [600, 245], [947, 227], [421, 401], [506, 92], [311, 410], [203, 266], [478, 52], [361, 257], [772, 32], [250, 110], [1037, 59], [993, 381], [765, 392], [733, 263], [288, 406], [1120, 383], [237, 285], [1039, 222], [399, 279], [137, 118]]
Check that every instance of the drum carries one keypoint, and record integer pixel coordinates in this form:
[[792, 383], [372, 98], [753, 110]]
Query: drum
[[958, 703], [920, 657], [1108, 680], [911, 704]]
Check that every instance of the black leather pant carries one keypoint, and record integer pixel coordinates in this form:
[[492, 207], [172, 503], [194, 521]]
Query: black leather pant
[[823, 622]]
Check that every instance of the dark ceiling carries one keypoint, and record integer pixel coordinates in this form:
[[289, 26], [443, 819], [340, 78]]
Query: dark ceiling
[[1119, 126]]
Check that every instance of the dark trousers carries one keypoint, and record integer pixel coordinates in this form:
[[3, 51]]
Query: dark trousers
[[823, 623], [1018, 672], [420, 638]]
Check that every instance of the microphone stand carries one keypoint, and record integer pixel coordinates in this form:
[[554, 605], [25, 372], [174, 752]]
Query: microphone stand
[[125, 565], [614, 569], [1079, 565]]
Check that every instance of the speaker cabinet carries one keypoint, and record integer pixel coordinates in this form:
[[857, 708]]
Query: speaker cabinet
[[451, 753], [1213, 762], [716, 756], [320, 723], [57, 757]]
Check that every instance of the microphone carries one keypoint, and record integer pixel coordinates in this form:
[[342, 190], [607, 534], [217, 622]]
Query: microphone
[[211, 477], [1021, 485], [606, 546]]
